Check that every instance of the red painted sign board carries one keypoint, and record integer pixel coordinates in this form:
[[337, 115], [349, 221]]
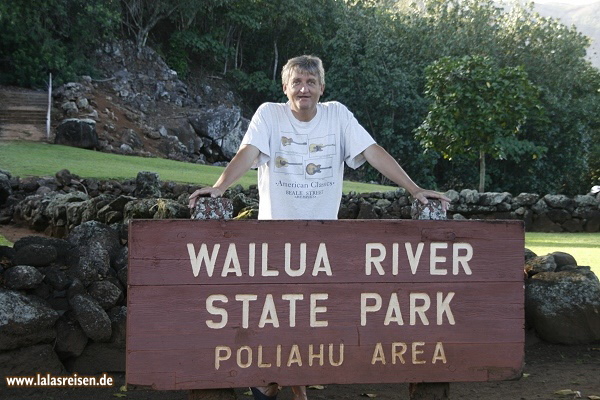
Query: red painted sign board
[[216, 304]]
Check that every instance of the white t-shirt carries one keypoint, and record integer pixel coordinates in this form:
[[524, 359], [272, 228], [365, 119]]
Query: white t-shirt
[[301, 164]]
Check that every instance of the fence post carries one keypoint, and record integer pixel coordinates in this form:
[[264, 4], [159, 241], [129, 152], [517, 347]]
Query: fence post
[[212, 208], [428, 390], [48, 114]]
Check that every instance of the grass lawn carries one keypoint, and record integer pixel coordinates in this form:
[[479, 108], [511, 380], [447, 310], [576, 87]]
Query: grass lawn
[[585, 247], [43, 159]]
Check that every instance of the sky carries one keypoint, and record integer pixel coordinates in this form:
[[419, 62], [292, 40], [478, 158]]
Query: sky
[[574, 2]]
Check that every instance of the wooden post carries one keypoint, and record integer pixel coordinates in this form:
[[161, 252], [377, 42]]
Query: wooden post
[[212, 208], [49, 108], [428, 390]]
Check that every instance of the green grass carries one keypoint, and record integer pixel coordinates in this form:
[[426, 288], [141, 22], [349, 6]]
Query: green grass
[[42, 159], [585, 247]]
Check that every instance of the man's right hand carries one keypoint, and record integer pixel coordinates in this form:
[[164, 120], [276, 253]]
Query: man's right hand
[[204, 192]]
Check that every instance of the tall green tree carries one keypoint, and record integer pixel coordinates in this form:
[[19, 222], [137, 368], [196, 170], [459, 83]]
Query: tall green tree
[[58, 36], [478, 109]]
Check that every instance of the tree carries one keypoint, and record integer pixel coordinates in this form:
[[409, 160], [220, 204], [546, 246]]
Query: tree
[[477, 110], [58, 36]]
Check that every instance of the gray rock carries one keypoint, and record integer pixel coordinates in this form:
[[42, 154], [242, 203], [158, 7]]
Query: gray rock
[[36, 255], [529, 255], [563, 307], [70, 339], [540, 207], [433, 210], [224, 125], [526, 199], [28, 361], [539, 264], [563, 260], [96, 232], [77, 133], [453, 195], [5, 187], [118, 318], [22, 277], [93, 319], [559, 201], [98, 358], [171, 209], [213, 208], [24, 321], [57, 278], [493, 198], [469, 196], [147, 185], [105, 293], [586, 201]]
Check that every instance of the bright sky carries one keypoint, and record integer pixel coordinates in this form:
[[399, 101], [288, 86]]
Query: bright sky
[[574, 2]]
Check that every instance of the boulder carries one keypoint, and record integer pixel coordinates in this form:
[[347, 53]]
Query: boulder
[[564, 306], [5, 187], [77, 133], [22, 277], [27, 361], [36, 255], [213, 208], [91, 316], [224, 126], [147, 185], [90, 232], [98, 358], [24, 321], [106, 293], [535, 265], [70, 338]]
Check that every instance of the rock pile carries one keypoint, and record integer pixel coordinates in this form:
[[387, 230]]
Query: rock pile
[[143, 108], [562, 299], [62, 303]]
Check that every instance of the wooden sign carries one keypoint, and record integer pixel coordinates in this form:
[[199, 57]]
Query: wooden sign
[[216, 304]]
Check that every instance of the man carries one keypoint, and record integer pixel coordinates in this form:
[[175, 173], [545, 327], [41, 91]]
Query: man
[[300, 148]]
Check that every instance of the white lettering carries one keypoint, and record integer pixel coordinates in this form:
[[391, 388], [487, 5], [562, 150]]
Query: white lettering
[[231, 258], [322, 259], [269, 313], [288, 264], [216, 311], [462, 260], [364, 308], [371, 260], [314, 310], [196, 260], [414, 309], [414, 257], [434, 259], [245, 299]]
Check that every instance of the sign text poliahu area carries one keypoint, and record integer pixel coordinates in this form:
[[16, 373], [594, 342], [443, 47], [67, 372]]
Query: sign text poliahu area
[[215, 304]]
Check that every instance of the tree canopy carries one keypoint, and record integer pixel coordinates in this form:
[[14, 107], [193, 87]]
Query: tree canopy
[[376, 54]]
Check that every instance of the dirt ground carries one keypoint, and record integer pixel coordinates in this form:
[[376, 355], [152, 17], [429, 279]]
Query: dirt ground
[[549, 369]]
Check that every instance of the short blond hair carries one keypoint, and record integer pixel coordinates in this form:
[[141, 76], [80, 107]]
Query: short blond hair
[[304, 64]]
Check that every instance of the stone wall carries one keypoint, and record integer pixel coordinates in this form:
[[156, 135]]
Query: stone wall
[[55, 205]]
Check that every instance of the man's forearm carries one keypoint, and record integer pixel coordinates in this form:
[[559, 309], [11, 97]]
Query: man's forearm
[[238, 166], [383, 162]]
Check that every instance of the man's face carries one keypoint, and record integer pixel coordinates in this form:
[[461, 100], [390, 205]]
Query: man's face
[[303, 90]]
